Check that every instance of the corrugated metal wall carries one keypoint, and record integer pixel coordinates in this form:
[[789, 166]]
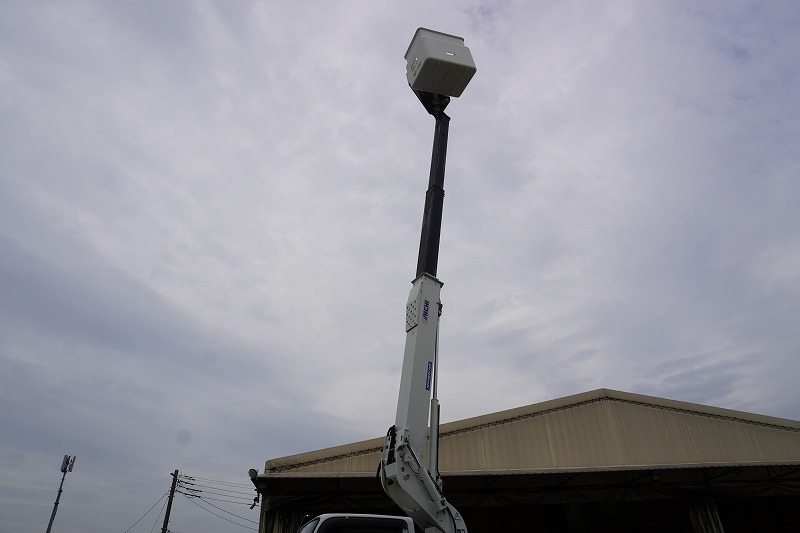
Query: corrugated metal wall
[[615, 433]]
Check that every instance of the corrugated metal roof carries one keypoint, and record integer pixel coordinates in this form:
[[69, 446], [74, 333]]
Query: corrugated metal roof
[[601, 429]]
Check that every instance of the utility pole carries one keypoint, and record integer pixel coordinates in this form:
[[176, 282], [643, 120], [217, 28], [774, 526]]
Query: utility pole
[[169, 501], [66, 466]]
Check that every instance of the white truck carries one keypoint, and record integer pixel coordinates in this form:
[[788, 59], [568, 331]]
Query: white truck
[[438, 66], [358, 523]]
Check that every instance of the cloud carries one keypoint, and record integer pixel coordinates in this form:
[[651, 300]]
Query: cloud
[[209, 216]]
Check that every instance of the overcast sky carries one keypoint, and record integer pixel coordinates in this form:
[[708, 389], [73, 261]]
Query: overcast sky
[[210, 216]]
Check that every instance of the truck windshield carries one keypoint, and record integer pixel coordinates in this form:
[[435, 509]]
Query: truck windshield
[[309, 526], [355, 524]]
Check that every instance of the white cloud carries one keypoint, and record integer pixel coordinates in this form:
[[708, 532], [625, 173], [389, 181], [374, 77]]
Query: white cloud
[[209, 219]]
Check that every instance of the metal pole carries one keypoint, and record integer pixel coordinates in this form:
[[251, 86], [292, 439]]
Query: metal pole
[[55, 505], [169, 501], [428, 258]]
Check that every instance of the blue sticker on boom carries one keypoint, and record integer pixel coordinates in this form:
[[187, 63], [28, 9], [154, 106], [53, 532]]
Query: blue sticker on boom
[[428, 378]]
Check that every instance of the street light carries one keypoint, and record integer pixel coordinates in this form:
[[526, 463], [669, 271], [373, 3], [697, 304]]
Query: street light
[[438, 66], [253, 473]]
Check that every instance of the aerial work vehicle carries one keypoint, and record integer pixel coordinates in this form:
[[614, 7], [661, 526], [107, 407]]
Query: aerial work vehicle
[[438, 66]]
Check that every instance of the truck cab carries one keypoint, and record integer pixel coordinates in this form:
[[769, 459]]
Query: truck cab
[[357, 523]]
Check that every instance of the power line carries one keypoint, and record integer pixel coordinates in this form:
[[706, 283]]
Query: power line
[[158, 516], [218, 482], [224, 511], [218, 516], [195, 489], [190, 495], [145, 514], [248, 494], [215, 493]]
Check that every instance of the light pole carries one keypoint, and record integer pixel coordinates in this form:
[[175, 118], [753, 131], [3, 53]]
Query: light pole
[[66, 466]]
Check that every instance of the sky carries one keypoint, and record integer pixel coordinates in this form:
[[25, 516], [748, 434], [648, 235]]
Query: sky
[[210, 216]]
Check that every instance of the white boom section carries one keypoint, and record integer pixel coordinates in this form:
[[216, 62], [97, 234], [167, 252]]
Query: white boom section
[[416, 381], [404, 474]]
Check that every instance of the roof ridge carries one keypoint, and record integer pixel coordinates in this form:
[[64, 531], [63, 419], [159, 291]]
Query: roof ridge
[[327, 459], [608, 395]]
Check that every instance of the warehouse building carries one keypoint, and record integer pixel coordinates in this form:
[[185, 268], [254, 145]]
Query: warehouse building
[[598, 461]]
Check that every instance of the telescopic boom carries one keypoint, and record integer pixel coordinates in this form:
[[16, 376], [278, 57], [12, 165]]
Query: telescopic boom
[[439, 66]]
